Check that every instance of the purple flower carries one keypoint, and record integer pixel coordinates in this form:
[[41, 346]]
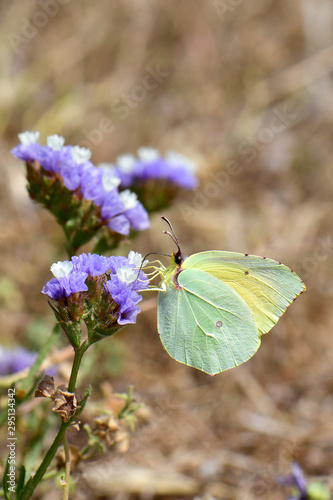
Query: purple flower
[[67, 280], [75, 282], [73, 166], [63, 287], [126, 268], [49, 159], [91, 185], [173, 168], [126, 297], [29, 149], [123, 170], [94, 265], [138, 217], [15, 360], [134, 211], [98, 185], [52, 155], [54, 290], [119, 283], [112, 205], [125, 281], [120, 224], [297, 480]]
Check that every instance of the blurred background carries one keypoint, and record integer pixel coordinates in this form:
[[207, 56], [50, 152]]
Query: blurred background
[[245, 89]]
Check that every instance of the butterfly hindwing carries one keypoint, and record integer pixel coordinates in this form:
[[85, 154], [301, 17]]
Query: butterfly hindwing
[[205, 323]]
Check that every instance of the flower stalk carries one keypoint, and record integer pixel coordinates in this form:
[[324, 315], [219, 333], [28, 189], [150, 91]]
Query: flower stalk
[[34, 480]]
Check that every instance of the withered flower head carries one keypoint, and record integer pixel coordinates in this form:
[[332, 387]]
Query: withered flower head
[[107, 428], [45, 387], [65, 403]]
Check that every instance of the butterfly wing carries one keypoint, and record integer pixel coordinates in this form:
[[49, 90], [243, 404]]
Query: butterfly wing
[[205, 323], [267, 286]]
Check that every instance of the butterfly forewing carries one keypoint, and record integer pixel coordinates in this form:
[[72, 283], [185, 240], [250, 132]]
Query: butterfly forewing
[[266, 286], [206, 324]]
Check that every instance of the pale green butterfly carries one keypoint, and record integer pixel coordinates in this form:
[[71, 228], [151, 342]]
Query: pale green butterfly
[[214, 306]]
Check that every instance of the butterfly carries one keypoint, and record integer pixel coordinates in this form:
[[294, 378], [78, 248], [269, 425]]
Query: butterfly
[[213, 307]]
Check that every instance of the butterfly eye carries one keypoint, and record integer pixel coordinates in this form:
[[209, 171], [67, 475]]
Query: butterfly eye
[[178, 258]]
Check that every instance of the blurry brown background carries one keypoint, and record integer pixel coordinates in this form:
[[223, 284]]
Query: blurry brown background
[[246, 90]]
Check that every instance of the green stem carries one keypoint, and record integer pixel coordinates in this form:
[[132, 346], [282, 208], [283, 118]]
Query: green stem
[[76, 365], [33, 481]]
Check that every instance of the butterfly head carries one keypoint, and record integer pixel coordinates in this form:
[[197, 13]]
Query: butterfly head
[[178, 257]]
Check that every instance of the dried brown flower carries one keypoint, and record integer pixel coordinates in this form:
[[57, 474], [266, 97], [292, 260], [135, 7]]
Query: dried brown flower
[[108, 429], [45, 387], [65, 403]]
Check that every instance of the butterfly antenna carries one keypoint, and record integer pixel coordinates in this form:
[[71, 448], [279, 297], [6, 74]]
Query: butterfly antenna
[[172, 234], [153, 253]]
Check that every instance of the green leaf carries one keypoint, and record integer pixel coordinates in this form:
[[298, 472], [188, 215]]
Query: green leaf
[[20, 481], [5, 481]]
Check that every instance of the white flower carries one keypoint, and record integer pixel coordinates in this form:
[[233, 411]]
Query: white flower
[[61, 269], [127, 274], [28, 137], [126, 163], [135, 258], [80, 155], [178, 159], [148, 154], [110, 181], [129, 199], [55, 142]]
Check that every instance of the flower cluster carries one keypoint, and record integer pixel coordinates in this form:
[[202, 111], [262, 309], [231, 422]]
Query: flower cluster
[[174, 168], [103, 291], [155, 179], [71, 165], [15, 360]]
